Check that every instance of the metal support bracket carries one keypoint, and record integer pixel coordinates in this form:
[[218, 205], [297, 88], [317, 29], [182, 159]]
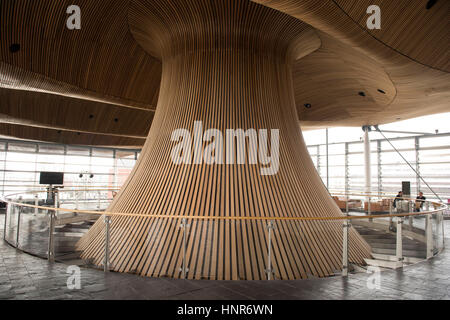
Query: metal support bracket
[[107, 221], [269, 270], [345, 228], [399, 242], [184, 269], [51, 244], [429, 236], [18, 226]]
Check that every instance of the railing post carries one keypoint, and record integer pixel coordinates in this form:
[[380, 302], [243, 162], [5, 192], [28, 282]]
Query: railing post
[[391, 224], [345, 228], [55, 213], [443, 228], [399, 243], [76, 200], [19, 209], [411, 210], [107, 220], [269, 270], [56, 199], [346, 204], [429, 236], [51, 244], [36, 203], [98, 202], [184, 270], [7, 215]]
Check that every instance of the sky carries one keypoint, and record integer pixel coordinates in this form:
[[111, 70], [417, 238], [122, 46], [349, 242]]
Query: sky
[[429, 124]]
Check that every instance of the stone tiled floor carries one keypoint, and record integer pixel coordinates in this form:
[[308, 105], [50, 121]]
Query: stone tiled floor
[[27, 277]]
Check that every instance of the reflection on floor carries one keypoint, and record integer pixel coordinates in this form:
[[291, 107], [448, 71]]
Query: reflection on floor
[[384, 242], [23, 276]]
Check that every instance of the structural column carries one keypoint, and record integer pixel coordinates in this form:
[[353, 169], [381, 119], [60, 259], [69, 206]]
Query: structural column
[[226, 66], [367, 167]]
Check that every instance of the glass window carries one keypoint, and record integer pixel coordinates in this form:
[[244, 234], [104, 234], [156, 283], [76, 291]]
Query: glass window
[[356, 147], [392, 157], [52, 149], [78, 160], [21, 164], [434, 141], [24, 147], [102, 152], [437, 155], [78, 150]]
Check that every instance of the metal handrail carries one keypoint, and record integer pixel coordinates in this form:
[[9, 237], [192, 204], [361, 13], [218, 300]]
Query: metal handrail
[[263, 218]]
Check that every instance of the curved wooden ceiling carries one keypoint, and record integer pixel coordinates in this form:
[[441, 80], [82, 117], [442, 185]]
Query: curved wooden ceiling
[[421, 80], [102, 67]]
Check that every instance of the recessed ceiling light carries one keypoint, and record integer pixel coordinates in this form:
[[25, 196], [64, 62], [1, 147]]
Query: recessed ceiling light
[[430, 4], [15, 47], [362, 94], [381, 91], [307, 105]]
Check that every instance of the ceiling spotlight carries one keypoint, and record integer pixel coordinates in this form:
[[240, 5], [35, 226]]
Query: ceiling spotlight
[[15, 47], [307, 105], [381, 91], [430, 4], [362, 94]]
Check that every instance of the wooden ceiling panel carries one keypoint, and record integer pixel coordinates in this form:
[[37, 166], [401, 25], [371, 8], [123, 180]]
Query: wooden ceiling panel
[[421, 88], [332, 80], [408, 27], [65, 137], [63, 113], [101, 57], [102, 62]]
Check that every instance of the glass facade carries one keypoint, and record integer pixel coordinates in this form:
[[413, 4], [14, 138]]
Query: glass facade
[[21, 162], [429, 155], [91, 167]]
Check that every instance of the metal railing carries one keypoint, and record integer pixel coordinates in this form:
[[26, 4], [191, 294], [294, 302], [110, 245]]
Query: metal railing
[[30, 226]]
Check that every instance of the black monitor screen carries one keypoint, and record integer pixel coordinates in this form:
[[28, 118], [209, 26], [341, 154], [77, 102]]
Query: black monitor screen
[[51, 178]]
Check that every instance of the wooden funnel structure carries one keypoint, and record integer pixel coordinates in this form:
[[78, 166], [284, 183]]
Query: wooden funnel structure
[[226, 64]]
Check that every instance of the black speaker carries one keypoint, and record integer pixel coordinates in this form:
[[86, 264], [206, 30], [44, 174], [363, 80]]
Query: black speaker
[[406, 188]]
